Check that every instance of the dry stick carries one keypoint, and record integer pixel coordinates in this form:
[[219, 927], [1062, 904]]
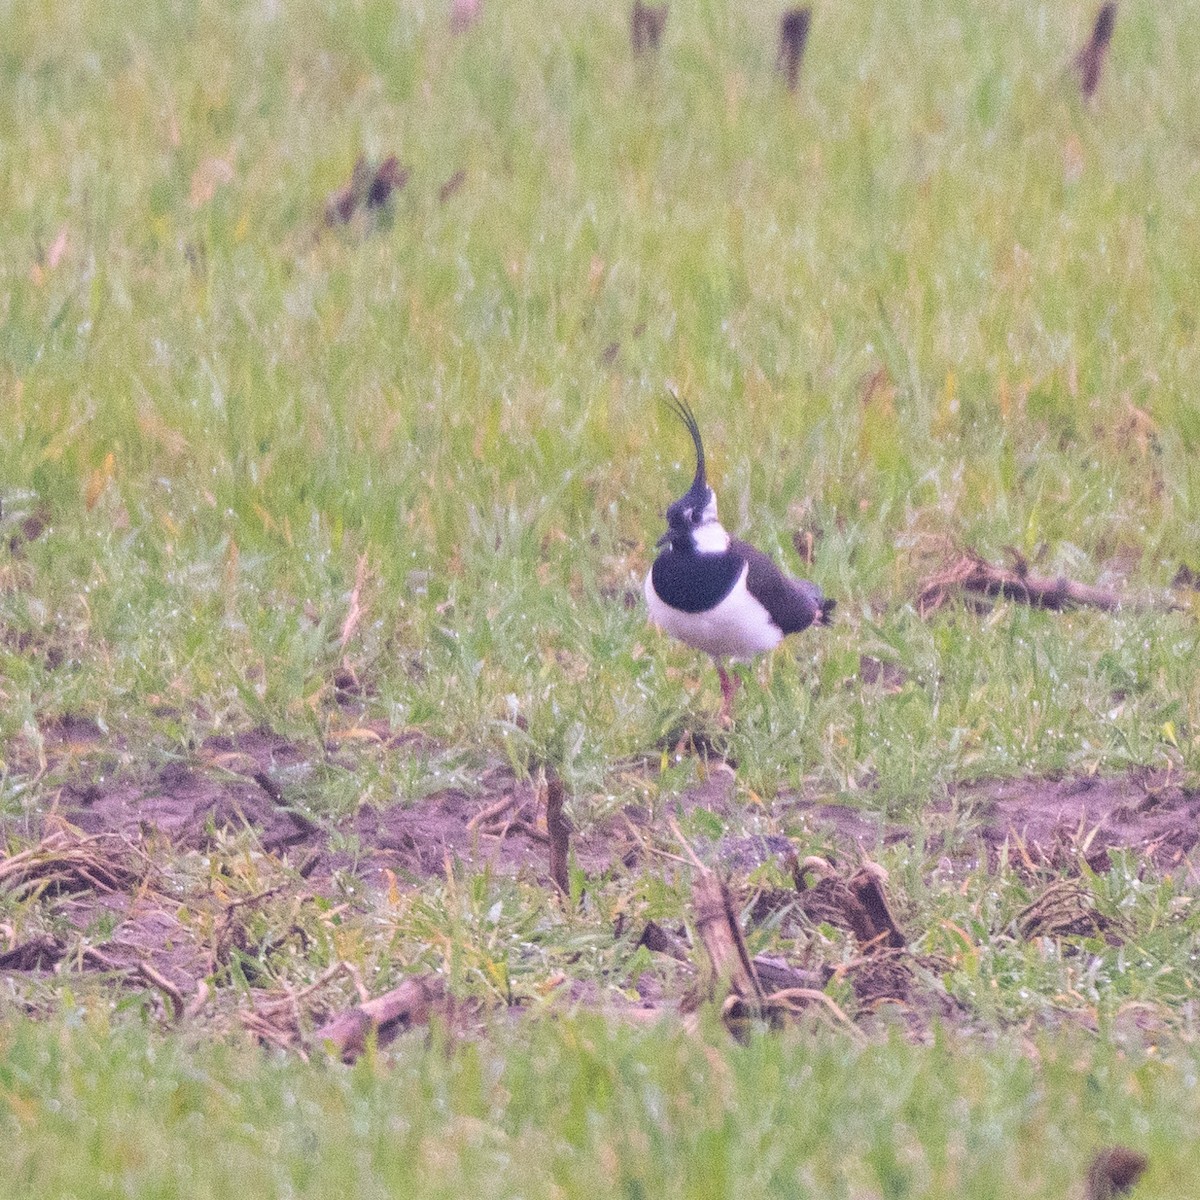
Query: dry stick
[[520, 825], [1090, 60], [225, 924], [793, 37], [691, 854], [485, 816], [973, 574], [360, 578], [157, 979], [719, 933], [781, 976], [640, 841], [410, 1004], [326, 976], [559, 830], [196, 1004], [787, 998]]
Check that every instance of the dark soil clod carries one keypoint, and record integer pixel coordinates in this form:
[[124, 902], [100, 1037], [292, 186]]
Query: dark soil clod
[[369, 189], [1113, 1172], [793, 38], [646, 25], [39, 953]]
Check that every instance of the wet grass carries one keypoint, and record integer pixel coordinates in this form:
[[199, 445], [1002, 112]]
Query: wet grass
[[931, 299], [584, 1109], [943, 303]]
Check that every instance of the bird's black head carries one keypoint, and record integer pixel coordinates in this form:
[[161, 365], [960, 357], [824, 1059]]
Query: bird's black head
[[698, 506]]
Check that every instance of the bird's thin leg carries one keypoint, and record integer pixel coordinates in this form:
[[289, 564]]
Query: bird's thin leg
[[728, 688]]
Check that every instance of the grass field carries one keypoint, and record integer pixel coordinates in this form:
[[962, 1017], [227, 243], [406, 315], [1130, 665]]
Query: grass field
[[930, 301]]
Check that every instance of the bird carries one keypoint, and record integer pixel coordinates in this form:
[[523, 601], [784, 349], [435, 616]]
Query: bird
[[716, 593]]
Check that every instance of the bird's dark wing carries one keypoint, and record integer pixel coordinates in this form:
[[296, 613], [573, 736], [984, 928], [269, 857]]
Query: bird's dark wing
[[793, 604]]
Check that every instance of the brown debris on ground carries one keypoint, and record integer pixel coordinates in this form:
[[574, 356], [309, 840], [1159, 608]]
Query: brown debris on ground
[[646, 25], [1113, 1172], [857, 905], [383, 1017], [94, 857], [1065, 908], [1089, 63], [731, 977], [969, 572], [885, 971], [66, 860], [1046, 825], [369, 189], [793, 38]]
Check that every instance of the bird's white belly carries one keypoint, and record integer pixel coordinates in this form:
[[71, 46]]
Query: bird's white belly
[[738, 627]]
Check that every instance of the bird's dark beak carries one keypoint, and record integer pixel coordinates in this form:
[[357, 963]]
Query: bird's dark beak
[[665, 540]]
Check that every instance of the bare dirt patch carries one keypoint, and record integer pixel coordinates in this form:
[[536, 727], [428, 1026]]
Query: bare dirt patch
[[1052, 823], [104, 850]]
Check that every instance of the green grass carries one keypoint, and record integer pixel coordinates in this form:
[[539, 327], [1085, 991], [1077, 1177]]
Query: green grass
[[581, 1109], [263, 402], [218, 408]]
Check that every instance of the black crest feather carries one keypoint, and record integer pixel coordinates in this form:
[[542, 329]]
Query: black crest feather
[[683, 411]]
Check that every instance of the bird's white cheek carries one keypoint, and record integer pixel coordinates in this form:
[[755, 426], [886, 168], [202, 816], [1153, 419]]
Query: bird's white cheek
[[711, 538]]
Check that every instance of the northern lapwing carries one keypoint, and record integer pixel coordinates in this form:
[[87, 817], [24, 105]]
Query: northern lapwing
[[719, 594]]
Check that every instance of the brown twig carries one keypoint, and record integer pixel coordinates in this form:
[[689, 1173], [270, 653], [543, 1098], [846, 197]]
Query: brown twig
[[798, 999], [485, 816], [412, 1003], [559, 830], [776, 975], [1089, 63], [719, 933], [195, 1005], [158, 980], [72, 861], [971, 573]]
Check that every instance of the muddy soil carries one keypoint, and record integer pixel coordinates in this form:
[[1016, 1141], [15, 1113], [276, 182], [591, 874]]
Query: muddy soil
[[122, 826], [1051, 822]]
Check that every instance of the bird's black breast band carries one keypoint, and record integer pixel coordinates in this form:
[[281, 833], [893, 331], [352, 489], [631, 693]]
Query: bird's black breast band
[[695, 583]]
